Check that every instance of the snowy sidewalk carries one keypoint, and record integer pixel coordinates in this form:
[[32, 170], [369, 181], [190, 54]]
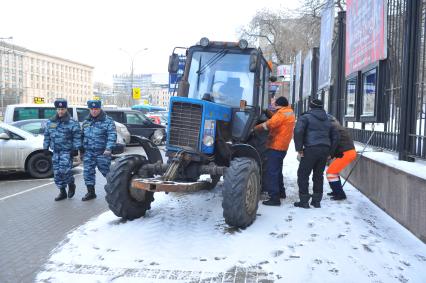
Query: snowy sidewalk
[[184, 238]]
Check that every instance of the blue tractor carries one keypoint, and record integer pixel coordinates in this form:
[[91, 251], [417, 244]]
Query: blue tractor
[[223, 94]]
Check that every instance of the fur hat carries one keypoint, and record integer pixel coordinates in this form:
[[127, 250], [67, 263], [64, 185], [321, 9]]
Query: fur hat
[[60, 103], [94, 104]]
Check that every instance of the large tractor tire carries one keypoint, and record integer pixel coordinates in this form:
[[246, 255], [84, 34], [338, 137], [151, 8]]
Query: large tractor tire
[[241, 192], [124, 200]]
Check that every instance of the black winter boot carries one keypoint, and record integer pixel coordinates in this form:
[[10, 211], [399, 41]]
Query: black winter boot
[[272, 202], [90, 193], [316, 200], [339, 194], [71, 190], [334, 186], [304, 201], [62, 194]]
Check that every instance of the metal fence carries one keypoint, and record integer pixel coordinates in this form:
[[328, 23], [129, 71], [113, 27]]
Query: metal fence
[[403, 127]]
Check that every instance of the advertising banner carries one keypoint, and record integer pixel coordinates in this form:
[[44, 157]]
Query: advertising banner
[[307, 75], [365, 33], [284, 72], [298, 76], [326, 41]]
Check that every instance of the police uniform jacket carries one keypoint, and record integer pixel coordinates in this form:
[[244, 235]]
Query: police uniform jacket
[[62, 134], [98, 133]]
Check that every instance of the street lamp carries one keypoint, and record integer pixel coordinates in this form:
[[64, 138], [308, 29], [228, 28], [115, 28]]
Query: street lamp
[[132, 59]]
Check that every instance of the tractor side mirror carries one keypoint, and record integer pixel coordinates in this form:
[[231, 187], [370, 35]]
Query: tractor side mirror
[[253, 61], [173, 63]]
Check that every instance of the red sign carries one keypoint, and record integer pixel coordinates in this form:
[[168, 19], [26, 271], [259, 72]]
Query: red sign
[[365, 33]]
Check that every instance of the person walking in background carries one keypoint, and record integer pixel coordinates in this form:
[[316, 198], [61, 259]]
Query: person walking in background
[[314, 139], [62, 135], [280, 127], [99, 136], [344, 154]]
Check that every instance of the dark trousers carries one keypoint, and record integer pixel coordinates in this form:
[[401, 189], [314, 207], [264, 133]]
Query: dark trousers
[[314, 160], [274, 173]]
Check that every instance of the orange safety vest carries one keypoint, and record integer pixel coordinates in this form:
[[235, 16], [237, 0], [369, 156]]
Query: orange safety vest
[[280, 128]]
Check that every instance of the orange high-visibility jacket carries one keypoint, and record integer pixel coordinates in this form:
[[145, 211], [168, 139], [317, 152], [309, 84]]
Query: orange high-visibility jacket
[[280, 128]]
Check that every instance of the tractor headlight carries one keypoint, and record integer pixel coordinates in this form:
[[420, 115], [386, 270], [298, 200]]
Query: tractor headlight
[[208, 140], [243, 44], [204, 42], [209, 132]]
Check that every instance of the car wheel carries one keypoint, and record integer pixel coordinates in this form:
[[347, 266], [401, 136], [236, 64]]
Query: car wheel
[[40, 166]]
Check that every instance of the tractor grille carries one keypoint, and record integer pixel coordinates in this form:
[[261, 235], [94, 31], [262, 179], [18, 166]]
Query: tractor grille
[[185, 124]]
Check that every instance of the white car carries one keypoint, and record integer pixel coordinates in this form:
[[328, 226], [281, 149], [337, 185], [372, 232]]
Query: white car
[[21, 151]]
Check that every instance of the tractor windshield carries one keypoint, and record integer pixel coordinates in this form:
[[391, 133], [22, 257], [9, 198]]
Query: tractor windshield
[[226, 76]]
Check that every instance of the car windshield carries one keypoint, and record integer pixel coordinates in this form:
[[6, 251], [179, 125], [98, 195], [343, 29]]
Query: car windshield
[[226, 76]]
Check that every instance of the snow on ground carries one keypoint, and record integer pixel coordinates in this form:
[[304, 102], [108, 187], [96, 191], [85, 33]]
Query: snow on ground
[[417, 168], [184, 238]]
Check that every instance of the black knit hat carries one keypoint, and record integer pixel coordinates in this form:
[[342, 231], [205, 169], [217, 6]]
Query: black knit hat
[[281, 101], [316, 103]]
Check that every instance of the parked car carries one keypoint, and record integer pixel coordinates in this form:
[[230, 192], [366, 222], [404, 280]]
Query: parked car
[[159, 117], [20, 112], [138, 124], [21, 151], [37, 126]]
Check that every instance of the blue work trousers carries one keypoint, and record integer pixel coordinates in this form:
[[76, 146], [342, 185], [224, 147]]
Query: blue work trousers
[[274, 172], [92, 160]]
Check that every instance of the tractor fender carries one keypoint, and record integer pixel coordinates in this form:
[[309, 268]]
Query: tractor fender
[[246, 150], [153, 154]]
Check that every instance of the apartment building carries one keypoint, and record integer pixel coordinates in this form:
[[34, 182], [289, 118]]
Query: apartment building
[[28, 76]]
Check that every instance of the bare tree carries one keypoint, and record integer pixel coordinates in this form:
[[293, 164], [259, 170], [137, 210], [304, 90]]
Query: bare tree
[[281, 35]]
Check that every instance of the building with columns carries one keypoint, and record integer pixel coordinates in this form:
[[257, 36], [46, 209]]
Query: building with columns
[[27, 76]]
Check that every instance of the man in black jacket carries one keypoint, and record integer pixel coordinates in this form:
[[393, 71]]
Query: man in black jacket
[[315, 139]]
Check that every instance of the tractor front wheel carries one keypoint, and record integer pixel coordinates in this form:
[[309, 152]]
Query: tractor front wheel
[[241, 192], [124, 200]]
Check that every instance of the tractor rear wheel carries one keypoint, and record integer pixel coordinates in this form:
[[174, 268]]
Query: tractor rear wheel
[[124, 200], [241, 192]]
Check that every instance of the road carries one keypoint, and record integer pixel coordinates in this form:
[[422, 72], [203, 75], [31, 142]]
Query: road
[[32, 223]]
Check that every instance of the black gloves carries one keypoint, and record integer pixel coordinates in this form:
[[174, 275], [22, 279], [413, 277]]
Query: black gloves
[[74, 152]]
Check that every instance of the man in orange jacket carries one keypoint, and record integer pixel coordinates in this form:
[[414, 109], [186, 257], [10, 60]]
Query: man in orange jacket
[[280, 127]]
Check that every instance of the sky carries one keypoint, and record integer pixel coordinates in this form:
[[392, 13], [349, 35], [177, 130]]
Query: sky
[[177, 241], [107, 34]]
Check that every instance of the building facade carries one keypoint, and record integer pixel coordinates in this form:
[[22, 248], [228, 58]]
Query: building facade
[[28, 76], [160, 95]]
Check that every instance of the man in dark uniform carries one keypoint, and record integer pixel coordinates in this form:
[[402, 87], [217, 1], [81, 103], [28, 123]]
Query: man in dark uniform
[[315, 139], [62, 135], [99, 137]]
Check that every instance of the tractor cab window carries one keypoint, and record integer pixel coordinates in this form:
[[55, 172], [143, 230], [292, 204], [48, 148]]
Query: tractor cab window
[[225, 76]]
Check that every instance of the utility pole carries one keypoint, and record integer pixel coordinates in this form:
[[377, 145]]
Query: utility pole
[[132, 59]]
